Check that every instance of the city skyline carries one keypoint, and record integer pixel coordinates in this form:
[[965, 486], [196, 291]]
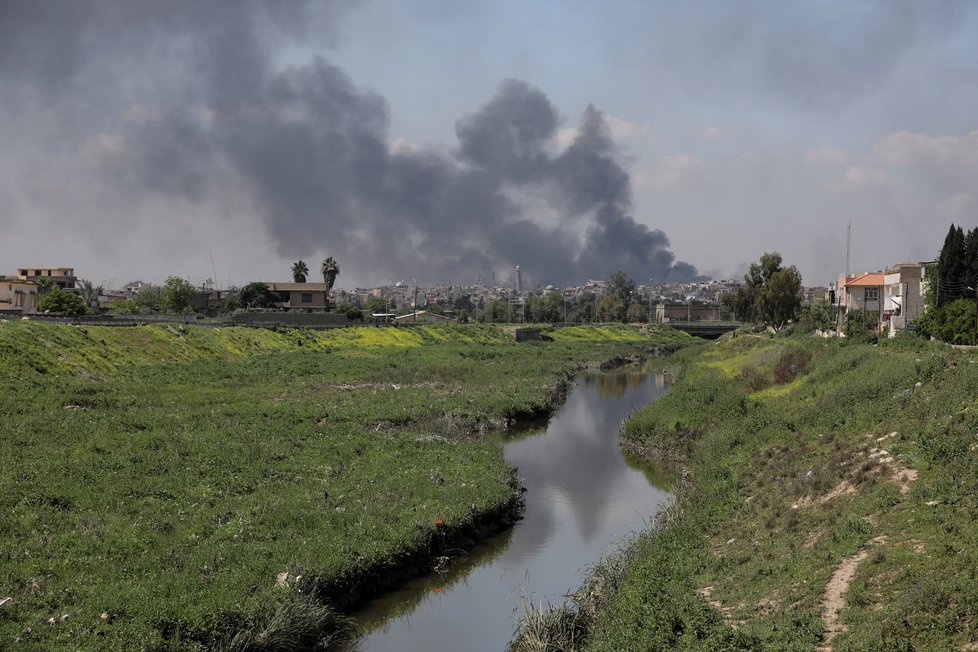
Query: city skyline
[[438, 141]]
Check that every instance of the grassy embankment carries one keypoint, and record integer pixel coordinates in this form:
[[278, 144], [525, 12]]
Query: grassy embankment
[[828, 503], [170, 486]]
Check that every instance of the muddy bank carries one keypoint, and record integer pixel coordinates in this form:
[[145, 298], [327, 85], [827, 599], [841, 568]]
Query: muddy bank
[[349, 592]]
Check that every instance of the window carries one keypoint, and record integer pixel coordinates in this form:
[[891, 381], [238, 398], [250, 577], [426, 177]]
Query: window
[[872, 294], [306, 297]]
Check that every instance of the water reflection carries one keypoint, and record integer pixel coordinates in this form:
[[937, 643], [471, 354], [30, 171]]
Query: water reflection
[[582, 497]]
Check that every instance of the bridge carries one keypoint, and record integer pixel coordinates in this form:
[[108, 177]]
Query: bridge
[[709, 330]]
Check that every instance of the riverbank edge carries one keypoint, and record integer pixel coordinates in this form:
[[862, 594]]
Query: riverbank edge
[[569, 626], [346, 594], [883, 512]]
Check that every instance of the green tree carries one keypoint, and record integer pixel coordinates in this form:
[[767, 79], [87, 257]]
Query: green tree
[[771, 293], [636, 313], [299, 271], [352, 312], [125, 307], [149, 298], [953, 322], [57, 300], [375, 305], [622, 286], [861, 324], [952, 268], [821, 315], [330, 270], [255, 295], [90, 292], [612, 307], [779, 300], [177, 295]]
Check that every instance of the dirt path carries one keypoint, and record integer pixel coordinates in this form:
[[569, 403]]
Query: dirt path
[[834, 602]]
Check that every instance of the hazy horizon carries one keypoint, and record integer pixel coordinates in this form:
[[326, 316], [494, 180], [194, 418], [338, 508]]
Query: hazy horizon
[[436, 141]]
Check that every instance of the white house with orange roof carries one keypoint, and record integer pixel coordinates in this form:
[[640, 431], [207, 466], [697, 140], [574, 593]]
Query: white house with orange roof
[[862, 292]]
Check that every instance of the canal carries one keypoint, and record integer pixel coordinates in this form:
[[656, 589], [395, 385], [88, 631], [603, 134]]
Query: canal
[[583, 497]]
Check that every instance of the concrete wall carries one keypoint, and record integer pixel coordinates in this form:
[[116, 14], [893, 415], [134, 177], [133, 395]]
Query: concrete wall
[[296, 319]]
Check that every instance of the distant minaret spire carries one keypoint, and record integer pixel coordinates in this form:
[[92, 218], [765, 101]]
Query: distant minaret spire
[[519, 280]]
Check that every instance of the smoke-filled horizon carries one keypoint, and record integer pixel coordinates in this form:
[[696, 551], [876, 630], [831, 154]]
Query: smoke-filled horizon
[[232, 133], [442, 141]]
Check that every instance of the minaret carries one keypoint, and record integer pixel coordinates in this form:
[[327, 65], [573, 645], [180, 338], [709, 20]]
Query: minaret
[[519, 280]]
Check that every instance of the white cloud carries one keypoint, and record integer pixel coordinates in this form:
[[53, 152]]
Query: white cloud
[[716, 133], [565, 137], [905, 148], [140, 115], [960, 203], [859, 177], [675, 170], [103, 146], [752, 156], [826, 156], [620, 129]]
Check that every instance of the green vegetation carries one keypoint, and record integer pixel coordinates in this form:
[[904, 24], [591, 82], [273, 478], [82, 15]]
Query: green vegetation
[[177, 295], [771, 293], [952, 290], [816, 476], [183, 487], [55, 300], [299, 271]]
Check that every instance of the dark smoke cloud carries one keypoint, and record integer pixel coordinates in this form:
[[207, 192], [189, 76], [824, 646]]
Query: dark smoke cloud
[[312, 150]]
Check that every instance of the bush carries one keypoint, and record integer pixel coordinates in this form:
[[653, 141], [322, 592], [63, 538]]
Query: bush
[[953, 322], [791, 365], [56, 300], [352, 312]]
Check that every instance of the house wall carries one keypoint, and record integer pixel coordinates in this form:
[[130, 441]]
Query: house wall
[[904, 296], [316, 299], [19, 296], [682, 312], [63, 277], [856, 299]]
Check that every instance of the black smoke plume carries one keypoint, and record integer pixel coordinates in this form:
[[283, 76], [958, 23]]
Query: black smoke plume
[[312, 152]]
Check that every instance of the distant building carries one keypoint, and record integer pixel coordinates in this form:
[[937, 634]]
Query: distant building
[[292, 296], [863, 292], [17, 295], [903, 301], [666, 312], [63, 277]]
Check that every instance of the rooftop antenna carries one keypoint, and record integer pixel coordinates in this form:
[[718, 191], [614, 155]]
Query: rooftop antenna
[[213, 268], [848, 246]]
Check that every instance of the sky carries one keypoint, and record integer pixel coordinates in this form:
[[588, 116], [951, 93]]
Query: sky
[[441, 141]]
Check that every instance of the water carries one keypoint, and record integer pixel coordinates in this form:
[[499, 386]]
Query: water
[[583, 497]]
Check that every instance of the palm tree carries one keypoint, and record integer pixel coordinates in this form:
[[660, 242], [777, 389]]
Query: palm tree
[[330, 271], [299, 271], [90, 293]]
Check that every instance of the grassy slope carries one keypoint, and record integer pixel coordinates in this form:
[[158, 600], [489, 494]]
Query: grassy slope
[[165, 475], [787, 480]]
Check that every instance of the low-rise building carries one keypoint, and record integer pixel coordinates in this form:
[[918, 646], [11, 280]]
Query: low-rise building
[[666, 312], [63, 277], [18, 296], [903, 301], [292, 296], [862, 292]]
